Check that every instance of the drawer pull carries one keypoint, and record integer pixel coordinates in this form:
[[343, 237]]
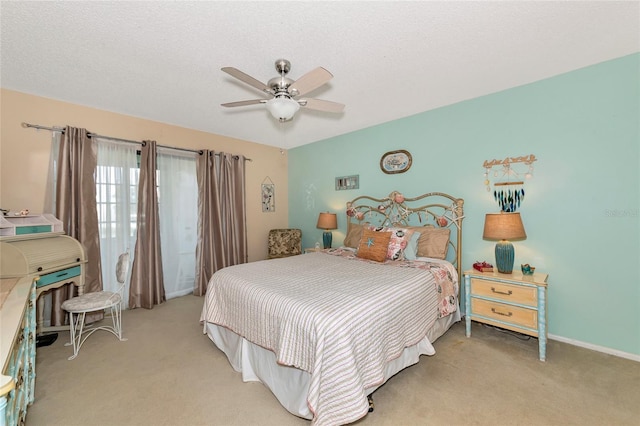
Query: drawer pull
[[506, 293], [501, 313]]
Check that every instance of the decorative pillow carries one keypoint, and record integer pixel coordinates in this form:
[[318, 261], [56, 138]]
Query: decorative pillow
[[433, 242], [399, 240], [122, 267], [374, 245], [353, 237], [411, 251]]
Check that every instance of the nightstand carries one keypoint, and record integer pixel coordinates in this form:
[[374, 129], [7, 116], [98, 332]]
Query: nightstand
[[312, 249], [514, 301]]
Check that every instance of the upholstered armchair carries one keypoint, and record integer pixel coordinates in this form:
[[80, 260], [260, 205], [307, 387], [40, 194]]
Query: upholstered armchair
[[284, 242]]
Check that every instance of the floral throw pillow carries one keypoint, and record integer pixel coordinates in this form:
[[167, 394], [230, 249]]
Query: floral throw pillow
[[399, 240]]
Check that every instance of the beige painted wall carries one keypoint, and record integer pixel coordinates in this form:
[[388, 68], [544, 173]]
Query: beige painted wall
[[24, 156]]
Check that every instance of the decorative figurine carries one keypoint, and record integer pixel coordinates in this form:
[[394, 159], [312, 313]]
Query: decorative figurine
[[527, 269]]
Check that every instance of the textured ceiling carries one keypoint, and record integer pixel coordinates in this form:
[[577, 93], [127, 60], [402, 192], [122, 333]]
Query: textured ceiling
[[161, 60]]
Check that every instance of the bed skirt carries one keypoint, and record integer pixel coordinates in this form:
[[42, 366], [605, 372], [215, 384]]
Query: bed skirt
[[291, 385]]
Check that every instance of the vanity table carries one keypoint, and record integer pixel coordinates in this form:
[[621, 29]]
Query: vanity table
[[17, 348], [35, 257]]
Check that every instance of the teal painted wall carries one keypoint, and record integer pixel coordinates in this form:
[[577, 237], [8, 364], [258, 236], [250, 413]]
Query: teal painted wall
[[581, 211]]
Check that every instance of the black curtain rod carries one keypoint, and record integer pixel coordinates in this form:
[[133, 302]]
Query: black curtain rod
[[94, 135]]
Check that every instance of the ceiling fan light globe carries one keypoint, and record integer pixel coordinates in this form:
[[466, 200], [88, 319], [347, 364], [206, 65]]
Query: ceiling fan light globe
[[282, 109]]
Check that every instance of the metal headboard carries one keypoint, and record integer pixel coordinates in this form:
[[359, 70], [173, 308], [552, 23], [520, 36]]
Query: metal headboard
[[432, 209]]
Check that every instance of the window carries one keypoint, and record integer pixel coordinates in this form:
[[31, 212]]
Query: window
[[117, 176], [178, 206], [111, 181]]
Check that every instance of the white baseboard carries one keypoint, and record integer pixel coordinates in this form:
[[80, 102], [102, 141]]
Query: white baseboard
[[597, 348]]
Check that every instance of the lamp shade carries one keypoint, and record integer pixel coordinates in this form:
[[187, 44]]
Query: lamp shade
[[282, 108], [503, 226], [327, 221]]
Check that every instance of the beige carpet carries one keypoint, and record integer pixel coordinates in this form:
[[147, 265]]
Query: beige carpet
[[169, 373]]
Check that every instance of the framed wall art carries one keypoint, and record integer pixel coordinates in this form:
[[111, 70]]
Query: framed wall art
[[347, 182], [268, 196], [395, 161]]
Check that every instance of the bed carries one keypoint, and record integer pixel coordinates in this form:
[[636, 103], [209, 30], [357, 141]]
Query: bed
[[324, 330]]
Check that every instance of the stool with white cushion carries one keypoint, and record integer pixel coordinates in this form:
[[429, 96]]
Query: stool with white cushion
[[79, 306]]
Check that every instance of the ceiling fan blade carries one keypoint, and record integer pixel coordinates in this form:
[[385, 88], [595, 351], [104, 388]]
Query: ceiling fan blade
[[244, 103], [246, 78], [310, 81], [320, 105]]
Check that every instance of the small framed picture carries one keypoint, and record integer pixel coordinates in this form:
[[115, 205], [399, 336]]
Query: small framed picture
[[395, 161]]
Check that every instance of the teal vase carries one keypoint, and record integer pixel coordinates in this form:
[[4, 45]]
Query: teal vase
[[326, 239], [504, 257]]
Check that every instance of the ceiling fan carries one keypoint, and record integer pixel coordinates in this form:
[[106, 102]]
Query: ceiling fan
[[285, 93]]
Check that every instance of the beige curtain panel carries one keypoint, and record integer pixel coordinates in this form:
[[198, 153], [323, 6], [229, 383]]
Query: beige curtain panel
[[222, 230], [76, 208], [146, 288]]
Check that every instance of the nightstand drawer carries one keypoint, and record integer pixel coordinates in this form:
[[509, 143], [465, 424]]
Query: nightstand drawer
[[507, 292], [506, 313]]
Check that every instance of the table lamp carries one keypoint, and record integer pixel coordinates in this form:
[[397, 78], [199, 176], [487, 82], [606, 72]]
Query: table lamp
[[504, 226], [327, 221]]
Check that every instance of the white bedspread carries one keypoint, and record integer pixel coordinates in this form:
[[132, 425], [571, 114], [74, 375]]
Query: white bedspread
[[339, 319]]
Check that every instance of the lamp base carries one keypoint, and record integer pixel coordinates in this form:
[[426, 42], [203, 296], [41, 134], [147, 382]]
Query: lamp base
[[504, 257], [326, 239]]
